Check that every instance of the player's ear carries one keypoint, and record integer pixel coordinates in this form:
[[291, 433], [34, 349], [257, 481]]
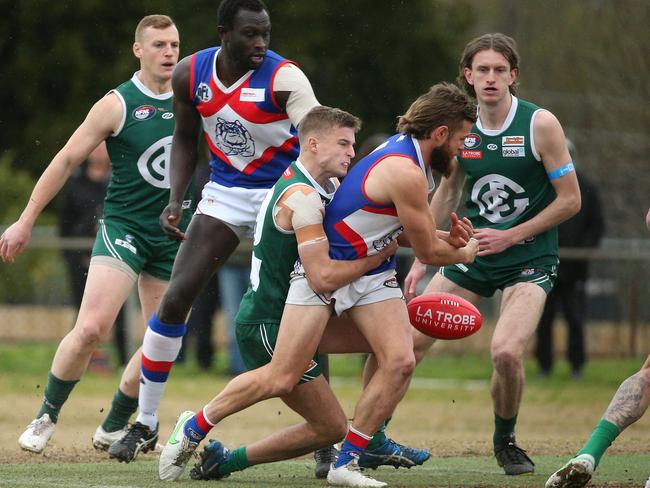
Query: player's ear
[[137, 49], [312, 143], [440, 134], [468, 76]]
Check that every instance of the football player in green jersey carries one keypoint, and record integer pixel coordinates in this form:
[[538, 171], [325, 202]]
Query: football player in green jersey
[[520, 184], [630, 402], [136, 121]]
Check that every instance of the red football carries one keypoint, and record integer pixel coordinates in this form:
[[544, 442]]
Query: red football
[[444, 316]]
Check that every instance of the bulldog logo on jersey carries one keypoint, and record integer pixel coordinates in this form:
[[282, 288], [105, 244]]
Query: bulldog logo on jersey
[[233, 139], [497, 200]]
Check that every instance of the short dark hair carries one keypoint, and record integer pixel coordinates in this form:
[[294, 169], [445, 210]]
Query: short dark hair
[[504, 45], [443, 104], [228, 10], [322, 118]]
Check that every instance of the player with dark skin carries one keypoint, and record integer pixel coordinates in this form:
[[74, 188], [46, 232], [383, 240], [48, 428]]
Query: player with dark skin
[[243, 86]]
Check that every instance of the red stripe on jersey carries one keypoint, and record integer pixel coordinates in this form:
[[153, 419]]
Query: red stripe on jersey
[[273, 100], [355, 240], [269, 154], [383, 211], [157, 366], [365, 177]]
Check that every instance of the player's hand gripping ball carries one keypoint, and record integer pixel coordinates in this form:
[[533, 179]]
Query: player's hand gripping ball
[[444, 316]]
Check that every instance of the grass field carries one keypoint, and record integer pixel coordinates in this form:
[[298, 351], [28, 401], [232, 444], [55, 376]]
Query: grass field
[[447, 410]]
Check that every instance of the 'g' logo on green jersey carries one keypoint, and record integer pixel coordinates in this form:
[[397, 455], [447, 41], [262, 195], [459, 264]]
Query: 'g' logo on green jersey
[[153, 164], [496, 197]]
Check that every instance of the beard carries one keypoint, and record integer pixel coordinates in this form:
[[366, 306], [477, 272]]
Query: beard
[[441, 159]]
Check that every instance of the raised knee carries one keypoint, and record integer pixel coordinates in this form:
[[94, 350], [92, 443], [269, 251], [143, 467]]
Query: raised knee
[[505, 359]]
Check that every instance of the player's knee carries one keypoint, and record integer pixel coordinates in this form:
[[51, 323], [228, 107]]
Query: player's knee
[[89, 334], [282, 385], [402, 365], [421, 345], [506, 359], [331, 430]]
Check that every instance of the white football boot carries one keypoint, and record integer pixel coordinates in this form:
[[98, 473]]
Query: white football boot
[[178, 451], [574, 474], [351, 475], [37, 435], [102, 440]]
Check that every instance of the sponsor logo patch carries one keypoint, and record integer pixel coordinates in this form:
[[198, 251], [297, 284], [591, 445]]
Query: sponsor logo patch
[[492, 147], [251, 95], [144, 112], [168, 115], [391, 283], [513, 140], [467, 154], [472, 141], [203, 92], [288, 173], [513, 152], [127, 243]]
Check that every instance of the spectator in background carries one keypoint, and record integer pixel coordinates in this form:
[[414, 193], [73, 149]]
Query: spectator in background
[[583, 230], [82, 206]]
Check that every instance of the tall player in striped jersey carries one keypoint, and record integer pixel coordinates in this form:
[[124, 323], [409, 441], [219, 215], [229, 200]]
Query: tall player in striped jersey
[[136, 121], [247, 101], [520, 184]]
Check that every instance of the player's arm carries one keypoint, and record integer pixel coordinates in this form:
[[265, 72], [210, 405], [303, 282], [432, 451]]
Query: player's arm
[[302, 207], [293, 92], [102, 120], [183, 156], [445, 200], [399, 181], [550, 144]]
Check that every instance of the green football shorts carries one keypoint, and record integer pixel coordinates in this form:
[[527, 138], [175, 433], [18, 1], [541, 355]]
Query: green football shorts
[[484, 280], [256, 345], [141, 251]]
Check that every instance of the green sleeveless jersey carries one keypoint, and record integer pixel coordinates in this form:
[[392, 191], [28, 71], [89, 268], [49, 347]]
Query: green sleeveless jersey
[[275, 253], [507, 185], [139, 152]]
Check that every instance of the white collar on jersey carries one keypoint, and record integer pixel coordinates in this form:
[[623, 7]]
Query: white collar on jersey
[[426, 169], [232, 87], [319, 188], [142, 87], [506, 123]]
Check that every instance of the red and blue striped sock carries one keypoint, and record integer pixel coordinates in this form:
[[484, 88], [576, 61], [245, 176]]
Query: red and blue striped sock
[[160, 347], [198, 426], [353, 446]]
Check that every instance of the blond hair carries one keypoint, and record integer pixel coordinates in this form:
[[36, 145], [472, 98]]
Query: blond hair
[[322, 118], [156, 21]]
